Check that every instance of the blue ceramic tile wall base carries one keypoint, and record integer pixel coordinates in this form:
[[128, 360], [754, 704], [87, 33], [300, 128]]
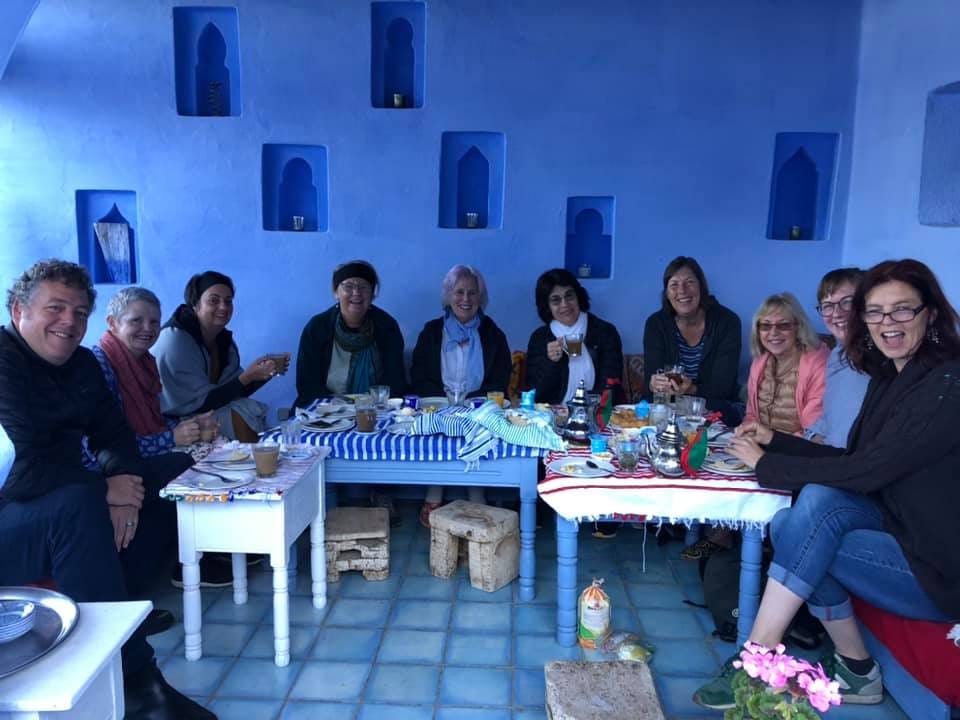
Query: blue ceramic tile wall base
[[116, 206], [207, 61], [397, 62], [802, 185], [939, 180]]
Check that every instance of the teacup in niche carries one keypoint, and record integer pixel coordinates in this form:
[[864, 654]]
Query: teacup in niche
[[267, 457]]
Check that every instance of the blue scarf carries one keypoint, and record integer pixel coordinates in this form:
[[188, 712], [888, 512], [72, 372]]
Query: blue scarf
[[461, 356]]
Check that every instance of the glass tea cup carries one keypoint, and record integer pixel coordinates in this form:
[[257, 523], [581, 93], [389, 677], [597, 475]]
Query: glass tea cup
[[456, 395], [628, 451], [381, 395], [281, 362], [697, 406], [209, 427], [291, 430], [366, 414], [573, 344], [267, 457]]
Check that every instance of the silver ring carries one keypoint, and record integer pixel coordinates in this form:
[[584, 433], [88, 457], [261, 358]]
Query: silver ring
[[130, 523]]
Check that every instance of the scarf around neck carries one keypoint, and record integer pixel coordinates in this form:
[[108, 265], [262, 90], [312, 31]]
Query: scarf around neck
[[461, 356], [139, 382], [579, 367], [361, 343]]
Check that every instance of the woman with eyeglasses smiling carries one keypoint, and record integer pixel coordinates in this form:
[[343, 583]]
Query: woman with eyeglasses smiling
[[877, 519], [556, 360], [788, 374], [354, 344]]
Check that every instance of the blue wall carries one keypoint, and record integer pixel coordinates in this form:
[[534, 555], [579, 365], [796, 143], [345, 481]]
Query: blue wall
[[907, 50], [672, 108]]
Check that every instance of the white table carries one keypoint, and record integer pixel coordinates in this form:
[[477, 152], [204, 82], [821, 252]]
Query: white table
[[82, 678], [265, 521]]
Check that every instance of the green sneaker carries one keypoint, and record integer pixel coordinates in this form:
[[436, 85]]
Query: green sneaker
[[855, 689], [718, 693]]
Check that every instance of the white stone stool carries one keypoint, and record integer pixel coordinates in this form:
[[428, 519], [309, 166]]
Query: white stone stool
[[358, 539], [601, 691], [493, 535]]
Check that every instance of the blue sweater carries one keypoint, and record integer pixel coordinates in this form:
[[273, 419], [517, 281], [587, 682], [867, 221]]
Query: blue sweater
[[841, 400]]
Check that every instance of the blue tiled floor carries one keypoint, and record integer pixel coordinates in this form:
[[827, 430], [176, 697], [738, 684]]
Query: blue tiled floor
[[415, 647]]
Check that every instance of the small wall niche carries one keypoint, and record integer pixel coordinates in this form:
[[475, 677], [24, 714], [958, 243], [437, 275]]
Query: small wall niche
[[472, 166], [397, 54], [106, 235], [939, 180], [295, 188], [589, 242], [801, 186], [206, 42]]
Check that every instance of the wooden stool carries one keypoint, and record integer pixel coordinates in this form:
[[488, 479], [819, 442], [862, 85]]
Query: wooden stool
[[358, 539], [601, 691], [493, 535]]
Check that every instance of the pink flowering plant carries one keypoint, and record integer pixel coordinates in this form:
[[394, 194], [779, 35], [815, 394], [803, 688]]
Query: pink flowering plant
[[774, 686]]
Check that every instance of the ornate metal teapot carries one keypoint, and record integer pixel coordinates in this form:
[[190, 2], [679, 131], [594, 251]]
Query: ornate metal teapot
[[665, 449], [579, 424]]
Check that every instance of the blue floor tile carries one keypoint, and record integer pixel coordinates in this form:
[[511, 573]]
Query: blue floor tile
[[358, 612], [402, 684], [421, 614], [254, 610], [230, 709], [295, 710], [302, 611], [530, 715], [655, 595], [529, 688], [479, 649], [486, 617], [670, 623], [535, 619], [168, 642], [417, 646], [474, 686], [326, 680], [259, 679], [200, 677], [354, 585], [427, 588], [225, 640], [467, 592], [452, 713], [261, 644], [419, 564], [396, 712], [352, 644], [683, 657], [538, 650], [676, 695]]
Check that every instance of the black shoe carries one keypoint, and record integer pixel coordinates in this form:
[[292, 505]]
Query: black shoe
[[214, 573], [158, 621], [148, 696]]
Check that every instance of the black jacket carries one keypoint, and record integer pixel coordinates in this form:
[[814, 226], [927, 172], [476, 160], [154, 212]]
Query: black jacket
[[550, 378], [46, 410], [426, 376], [316, 349], [717, 381], [904, 452]]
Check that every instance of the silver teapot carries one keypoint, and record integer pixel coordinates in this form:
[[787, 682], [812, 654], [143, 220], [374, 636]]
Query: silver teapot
[[665, 448], [579, 425]]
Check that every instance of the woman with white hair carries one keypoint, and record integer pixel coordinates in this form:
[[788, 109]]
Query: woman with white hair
[[463, 349], [788, 374]]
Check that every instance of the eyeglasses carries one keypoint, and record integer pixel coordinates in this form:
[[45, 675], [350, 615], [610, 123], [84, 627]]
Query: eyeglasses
[[568, 297], [875, 317], [785, 326], [829, 308], [361, 288]]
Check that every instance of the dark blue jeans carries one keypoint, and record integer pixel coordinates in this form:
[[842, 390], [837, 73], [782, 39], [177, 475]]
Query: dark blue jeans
[[67, 534], [832, 543]]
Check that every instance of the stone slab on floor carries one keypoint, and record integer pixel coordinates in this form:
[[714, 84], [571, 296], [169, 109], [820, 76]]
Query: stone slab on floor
[[619, 690]]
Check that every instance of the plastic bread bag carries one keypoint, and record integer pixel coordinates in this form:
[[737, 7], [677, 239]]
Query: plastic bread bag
[[593, 616]]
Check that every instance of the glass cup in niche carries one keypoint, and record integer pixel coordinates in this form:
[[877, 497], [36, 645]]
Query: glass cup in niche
[[573, 344], [471, 219], [366, 416], [297, 222]]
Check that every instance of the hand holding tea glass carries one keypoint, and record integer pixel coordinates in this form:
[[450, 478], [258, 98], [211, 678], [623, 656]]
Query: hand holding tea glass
[[262, 369], [555, 350], [281, 362], [573, 344]]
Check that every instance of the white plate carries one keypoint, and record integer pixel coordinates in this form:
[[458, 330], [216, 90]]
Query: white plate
[[226, 465], [335, 426], [724, 464], [229, 480], [577, 467], [330, 411], [437, 402]]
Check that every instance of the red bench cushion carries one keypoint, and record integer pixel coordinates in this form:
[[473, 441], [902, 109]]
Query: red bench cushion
[[921, 647]]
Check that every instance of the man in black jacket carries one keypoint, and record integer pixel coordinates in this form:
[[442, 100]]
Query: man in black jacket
[[57, 518]]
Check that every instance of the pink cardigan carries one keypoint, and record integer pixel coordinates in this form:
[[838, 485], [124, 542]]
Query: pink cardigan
[[811, 382]]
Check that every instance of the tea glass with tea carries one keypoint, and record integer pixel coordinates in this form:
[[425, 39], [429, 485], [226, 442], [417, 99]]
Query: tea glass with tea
[[209, 427], [381, 395], [674, 374], [628, 452], [267, 458], [496, 396], [366, 415], [281, 362], [573, 344]]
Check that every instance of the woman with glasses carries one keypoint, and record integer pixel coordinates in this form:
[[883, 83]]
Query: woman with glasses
[[699, 334], [199, 362], [880, 520], [354, 344], [788, 374], [572, 345], [845, 386]]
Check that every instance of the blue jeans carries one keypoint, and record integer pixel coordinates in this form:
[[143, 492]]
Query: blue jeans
[[833, 541]]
